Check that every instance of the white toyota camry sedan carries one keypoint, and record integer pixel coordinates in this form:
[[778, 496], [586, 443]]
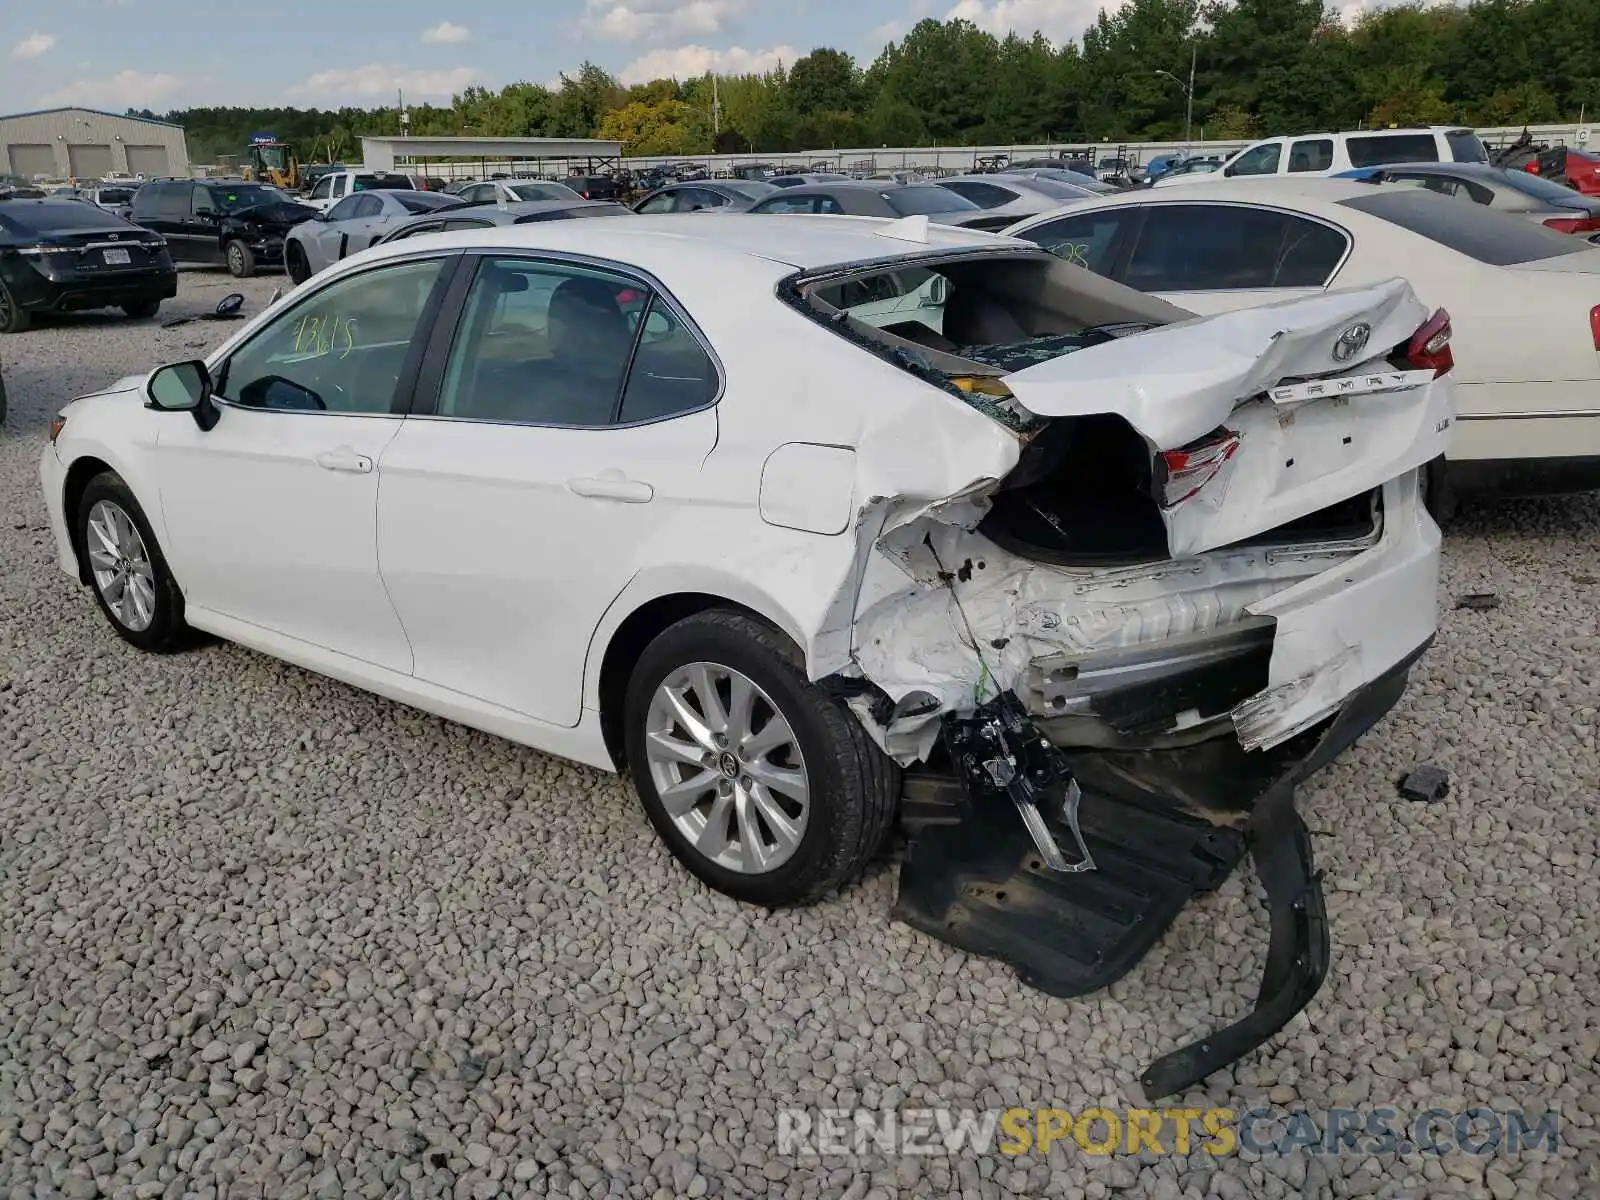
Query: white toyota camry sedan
[[754, 510]]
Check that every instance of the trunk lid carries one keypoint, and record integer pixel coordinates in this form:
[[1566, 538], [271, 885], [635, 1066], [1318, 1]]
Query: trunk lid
[[1319, 413]]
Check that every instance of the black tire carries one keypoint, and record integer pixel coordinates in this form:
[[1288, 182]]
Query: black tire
[[1439, 497], [142, 310], [241, 259], [166, 631], [13, 317], [853, 787], [294, 262]]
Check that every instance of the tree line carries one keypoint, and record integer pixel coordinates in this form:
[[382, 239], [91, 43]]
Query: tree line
[[1259, 67]]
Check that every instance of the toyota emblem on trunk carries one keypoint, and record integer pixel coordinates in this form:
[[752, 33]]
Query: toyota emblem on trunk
[[1351, 342]]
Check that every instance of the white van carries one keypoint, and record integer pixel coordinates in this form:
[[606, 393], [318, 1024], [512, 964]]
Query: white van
[[1311, 154]]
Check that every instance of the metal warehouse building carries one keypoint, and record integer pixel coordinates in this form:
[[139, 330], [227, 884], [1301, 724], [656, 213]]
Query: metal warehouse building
[[84, 143]]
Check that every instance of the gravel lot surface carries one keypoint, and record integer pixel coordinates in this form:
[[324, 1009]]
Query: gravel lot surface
[[262, 935]]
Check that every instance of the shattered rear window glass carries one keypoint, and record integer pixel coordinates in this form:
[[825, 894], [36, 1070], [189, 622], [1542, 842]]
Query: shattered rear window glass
[[1019, 355]]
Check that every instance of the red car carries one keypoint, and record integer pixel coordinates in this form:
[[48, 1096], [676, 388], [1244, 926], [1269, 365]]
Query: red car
[[1578, 169]]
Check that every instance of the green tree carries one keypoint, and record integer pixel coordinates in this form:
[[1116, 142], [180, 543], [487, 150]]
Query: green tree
[[825, 80]]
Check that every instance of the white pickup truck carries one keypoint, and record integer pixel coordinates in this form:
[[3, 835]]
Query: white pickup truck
[[334, 187]]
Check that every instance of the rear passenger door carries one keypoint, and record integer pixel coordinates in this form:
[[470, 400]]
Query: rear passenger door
[[563, 414], [1212, 258]]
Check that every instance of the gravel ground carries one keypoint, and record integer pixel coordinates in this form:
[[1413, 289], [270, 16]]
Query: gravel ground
[[263, 935]]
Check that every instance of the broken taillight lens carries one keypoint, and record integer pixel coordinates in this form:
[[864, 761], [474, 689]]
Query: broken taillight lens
[[1574, 224], [1429, 347], [1594, 325], [1182, 473]]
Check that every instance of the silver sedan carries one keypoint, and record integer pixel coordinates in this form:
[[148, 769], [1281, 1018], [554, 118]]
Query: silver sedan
[[1012, 195], [360, 220]]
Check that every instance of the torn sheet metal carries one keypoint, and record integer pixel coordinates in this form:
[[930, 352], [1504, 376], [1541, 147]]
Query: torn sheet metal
[[1179, 382]]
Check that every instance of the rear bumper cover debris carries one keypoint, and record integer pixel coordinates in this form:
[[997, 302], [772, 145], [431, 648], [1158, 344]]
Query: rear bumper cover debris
[[1161, 826]]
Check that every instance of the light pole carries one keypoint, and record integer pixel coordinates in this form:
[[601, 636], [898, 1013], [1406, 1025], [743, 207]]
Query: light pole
[[1188, 91]]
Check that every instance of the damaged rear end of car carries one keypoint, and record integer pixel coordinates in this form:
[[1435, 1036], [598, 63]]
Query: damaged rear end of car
[[1108, 668]]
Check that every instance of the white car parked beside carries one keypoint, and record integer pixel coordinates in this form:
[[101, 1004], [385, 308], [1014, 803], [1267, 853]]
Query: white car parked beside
[[1309, 155], [1524, 300], [644, 494]]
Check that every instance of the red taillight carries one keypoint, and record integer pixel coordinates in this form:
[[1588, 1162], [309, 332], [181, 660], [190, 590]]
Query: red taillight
[[1429, 347], [1531, 166], [1594, 325], [1184, 472], [1574, 224]]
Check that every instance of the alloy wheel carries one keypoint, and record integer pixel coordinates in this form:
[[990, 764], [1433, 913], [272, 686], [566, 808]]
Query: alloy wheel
[[728, 769], [121, 566]]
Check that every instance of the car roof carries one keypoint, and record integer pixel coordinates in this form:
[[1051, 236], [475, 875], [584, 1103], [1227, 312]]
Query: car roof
[[670, 244]]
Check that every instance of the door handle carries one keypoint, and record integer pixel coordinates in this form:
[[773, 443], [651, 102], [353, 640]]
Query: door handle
[[344, 459], [613, 485]]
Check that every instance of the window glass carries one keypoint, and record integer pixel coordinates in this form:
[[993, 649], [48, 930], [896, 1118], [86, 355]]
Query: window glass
[[984, 195], [1391, 148], [368, 205], [1537, 187], [346, 208], [421, 202], [1496, 238], [1466, 146], [323, 187], [698, 199], [234, 197], [1089, 240], [671, 371], [465, 223], [661, 202], [338, 185], [200, 200], [923, 199], [787, 204], [541, 343], [340, 351], [1261, 160], [1215, 247], [413, 231], [891, 298], [830, 206], [1311, 154]]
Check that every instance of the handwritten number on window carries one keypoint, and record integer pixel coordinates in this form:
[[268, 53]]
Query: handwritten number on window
[[318, 335]]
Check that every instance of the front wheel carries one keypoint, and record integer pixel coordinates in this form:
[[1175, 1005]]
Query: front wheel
[[241, 260], [127, 570], [764, 786]]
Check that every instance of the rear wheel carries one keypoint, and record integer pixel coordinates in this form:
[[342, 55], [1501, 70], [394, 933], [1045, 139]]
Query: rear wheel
[[764, 786], [294, 262], [13, 317], [142, 310], [127, 570], [241, 260], [1438, 496]]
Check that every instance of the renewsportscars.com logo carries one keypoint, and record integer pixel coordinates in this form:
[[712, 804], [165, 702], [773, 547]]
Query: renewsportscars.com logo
[[1181, 1131]]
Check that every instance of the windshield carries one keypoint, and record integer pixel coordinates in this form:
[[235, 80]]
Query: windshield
[[245, 195], [750, 189], [1495, 238], [382, 183], [925, 199], [54, 216], [115, 195], [543, 191], [1058, 190], [275, 158], [1540, 189], [1075, 178], [417, 202]]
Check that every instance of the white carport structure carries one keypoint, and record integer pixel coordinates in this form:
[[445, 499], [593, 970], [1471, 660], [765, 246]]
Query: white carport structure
[[566, 154]]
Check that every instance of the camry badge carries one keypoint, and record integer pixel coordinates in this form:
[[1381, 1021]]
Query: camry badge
[[1351, 342]]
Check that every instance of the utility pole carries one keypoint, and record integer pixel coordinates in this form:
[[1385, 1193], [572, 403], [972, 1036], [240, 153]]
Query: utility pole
[[716, 107], [1188, 119]]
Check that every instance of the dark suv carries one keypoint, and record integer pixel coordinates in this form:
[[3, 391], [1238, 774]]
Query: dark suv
[[215, 222], [64, 255]]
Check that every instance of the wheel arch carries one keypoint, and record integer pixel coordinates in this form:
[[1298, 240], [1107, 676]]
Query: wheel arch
[[82, 470], [644, 622]]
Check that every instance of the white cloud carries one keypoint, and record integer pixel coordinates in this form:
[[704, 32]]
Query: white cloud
[[632, 20], [446, 34], [381, 80], [1058, 20], [33, 45], [688, 62], [125, 89]]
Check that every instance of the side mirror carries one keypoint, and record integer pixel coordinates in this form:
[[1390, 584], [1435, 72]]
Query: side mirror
[[182, 387], [1229, 171]]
